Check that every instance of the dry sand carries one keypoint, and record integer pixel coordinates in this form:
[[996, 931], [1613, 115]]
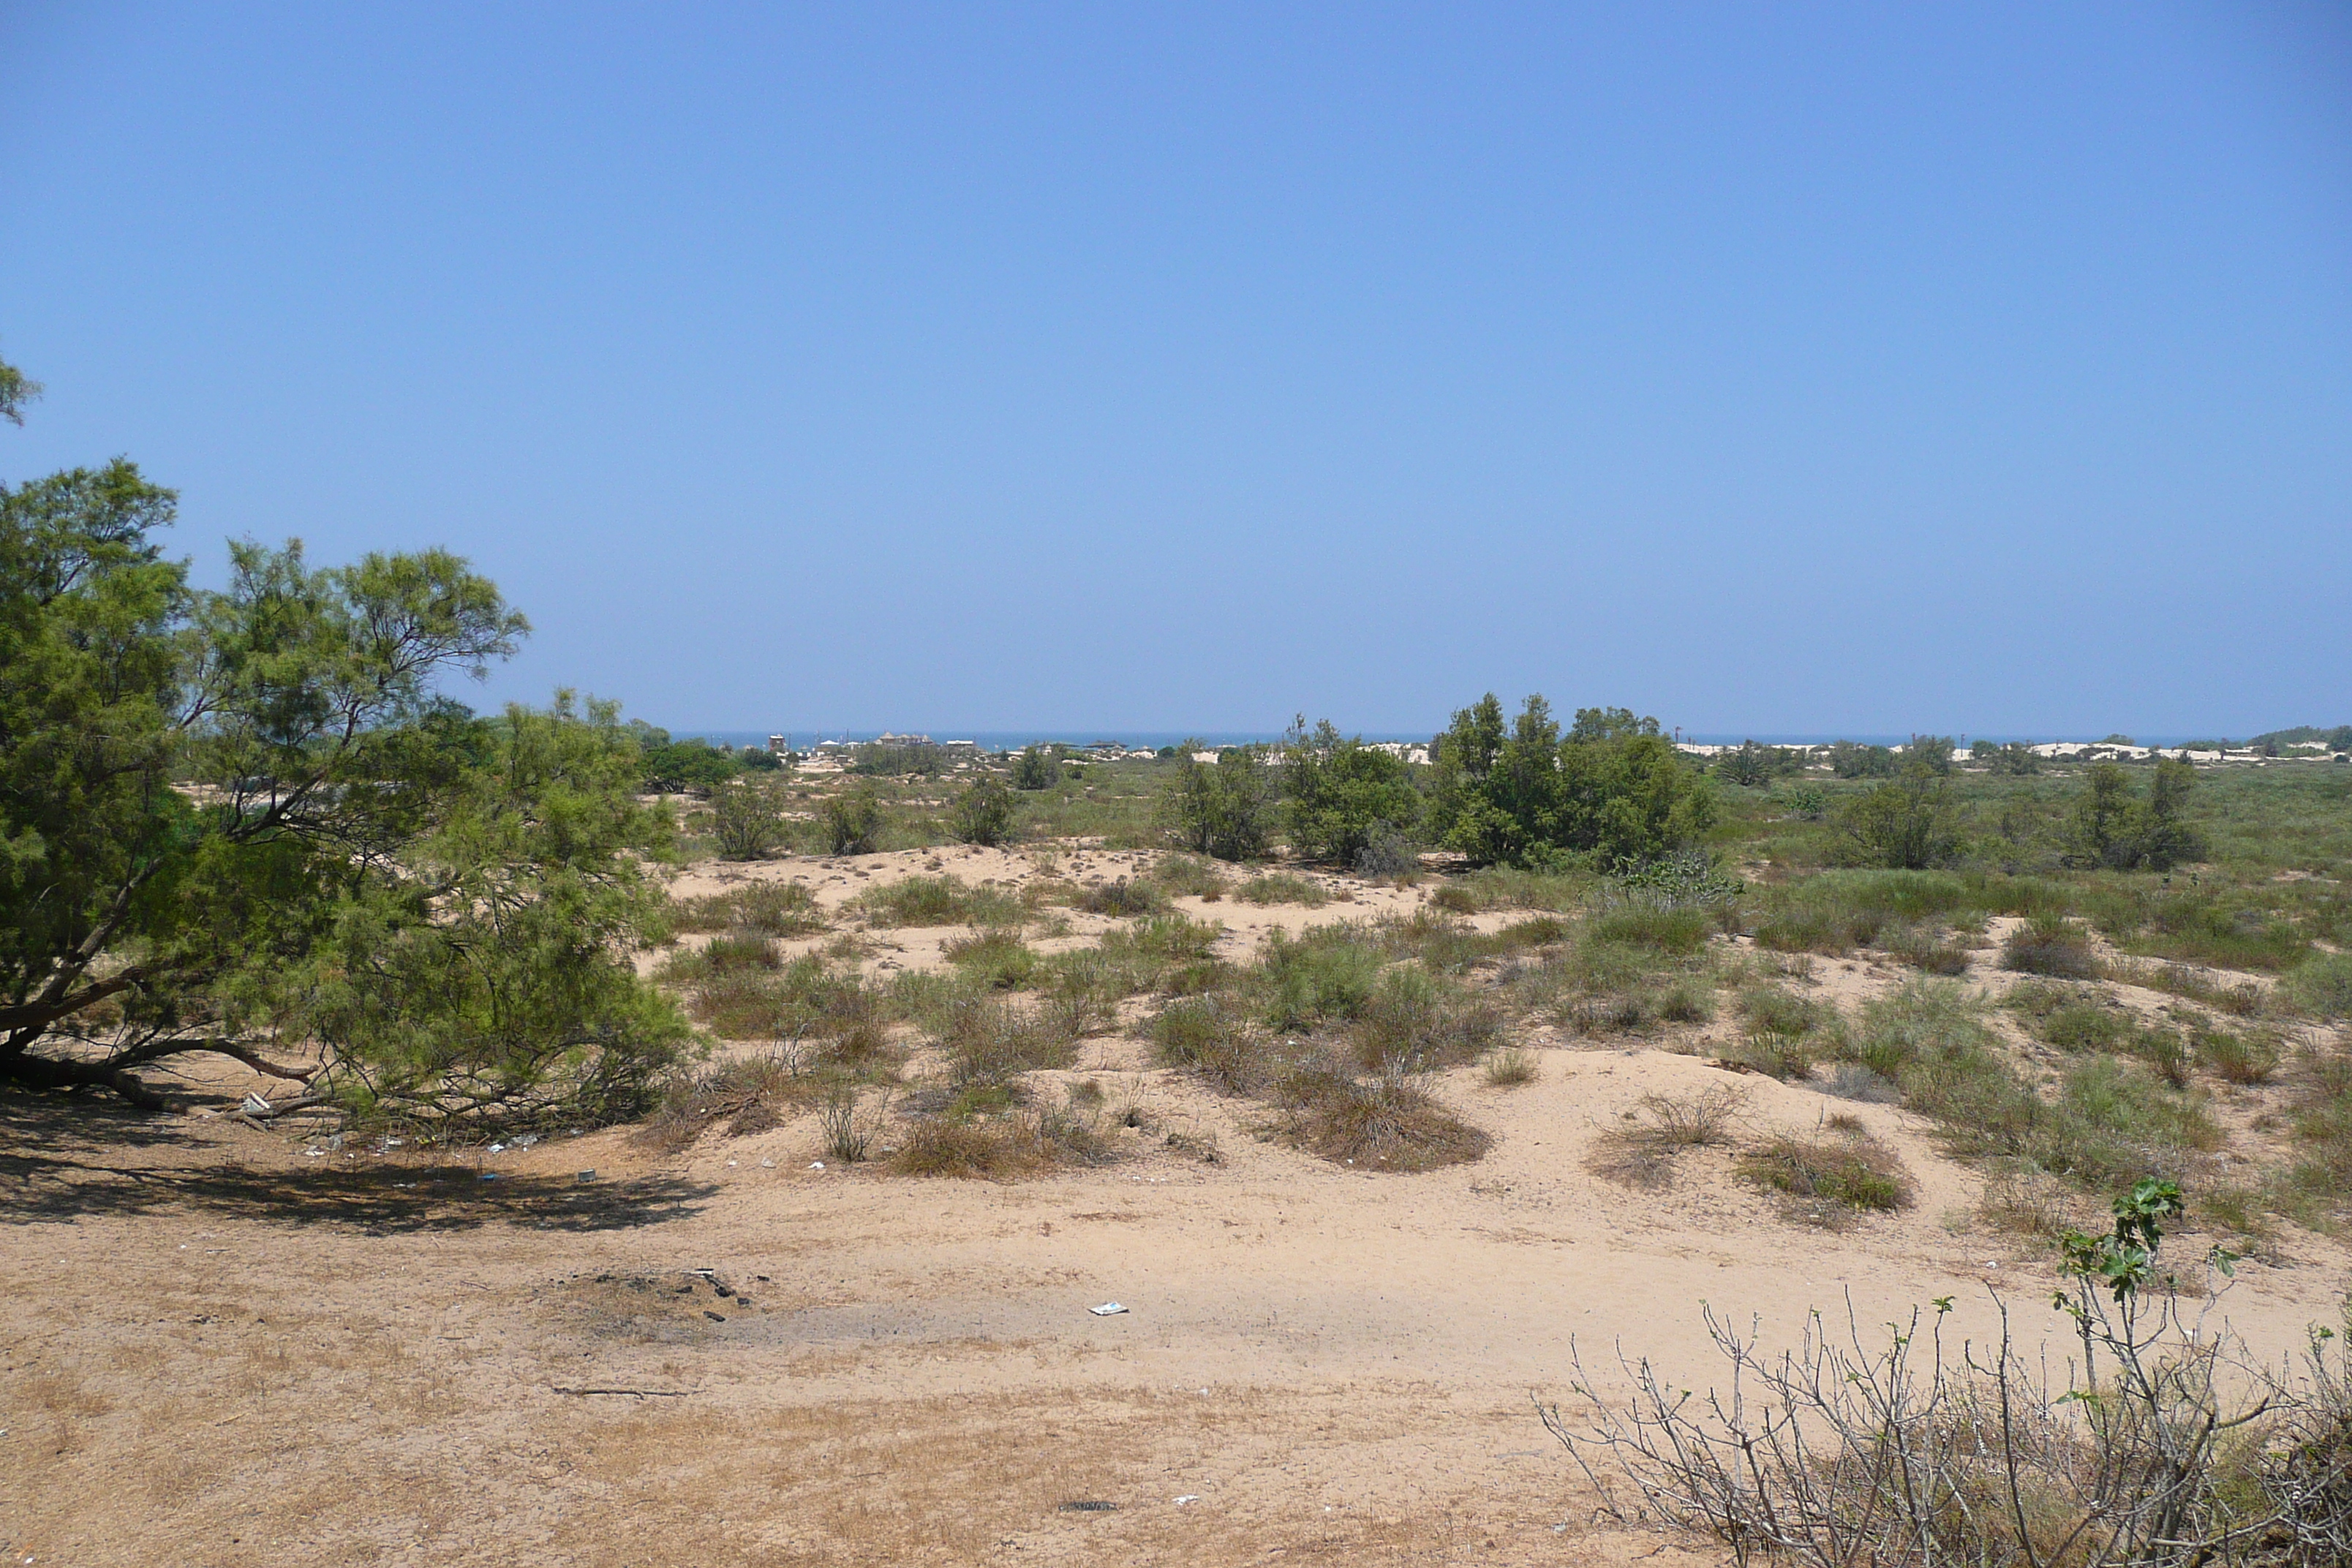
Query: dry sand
[[224, 1350]]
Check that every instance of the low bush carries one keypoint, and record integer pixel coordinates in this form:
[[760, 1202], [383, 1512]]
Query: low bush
[[1771, 1010], [983, 812], [1642, 924], [2085, 1027], [995, 958], [1511, 1068], [1389, 857], [745, 1096], [988, 1043], [1641, 1153], [770, 909], [1282, 888], [2050, 946], [2243, 1060], [1924, 948], [1454, 898], [1209, 1035], [1414, 1022], [1188, 876], [2322, 984], [967, 1150], [1829, 1180], [852, 822], [1383, 1124], [942, 901], [1121, 898], [1323, 977], [1784, 1057]]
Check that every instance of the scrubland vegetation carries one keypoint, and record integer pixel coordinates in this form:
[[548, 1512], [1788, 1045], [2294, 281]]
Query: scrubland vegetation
[[244, 824]]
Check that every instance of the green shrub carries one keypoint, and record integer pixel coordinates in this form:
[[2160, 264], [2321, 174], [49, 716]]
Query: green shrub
[[1036, 768], [1911, 822], [2112, 1120], [1642, 924], [1188, 876], [1320, 977], [1613, 791], [1414, 1021], [1386, 1124], [941, 901], [1282, 888], [2051, 946], [771, 909], [853, 822], [983, 812], [1223, 809], [1831, 1179], [2244, 1060], [1209, 1035], [995, 958], [1121, 898], [1343, 794], [2322, 984], [747, 819]]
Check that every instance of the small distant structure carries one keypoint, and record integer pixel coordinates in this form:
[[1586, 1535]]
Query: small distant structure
[[887, 739], [780, 745]]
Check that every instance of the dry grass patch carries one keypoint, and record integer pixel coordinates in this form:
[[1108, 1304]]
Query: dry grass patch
[[1511, 1068], [1830, 1180], [1385, 1123], [1641, 1153]]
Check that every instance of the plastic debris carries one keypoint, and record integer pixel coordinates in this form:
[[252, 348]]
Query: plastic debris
[[1108, 1310], [816, 1165], [1188, 1497], [585, 1176], [255, 1106], [489, 1175], [496, 1149]]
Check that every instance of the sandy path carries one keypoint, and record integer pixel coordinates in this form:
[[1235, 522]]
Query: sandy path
[[291, 1360]]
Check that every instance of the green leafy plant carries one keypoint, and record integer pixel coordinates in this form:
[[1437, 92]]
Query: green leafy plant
[[853, 822], [983, 812]]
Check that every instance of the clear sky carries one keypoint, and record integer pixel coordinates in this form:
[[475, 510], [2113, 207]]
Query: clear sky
[[1772, 368]]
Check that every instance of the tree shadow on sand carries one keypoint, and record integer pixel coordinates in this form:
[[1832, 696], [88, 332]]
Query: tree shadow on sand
[[67, 1159]]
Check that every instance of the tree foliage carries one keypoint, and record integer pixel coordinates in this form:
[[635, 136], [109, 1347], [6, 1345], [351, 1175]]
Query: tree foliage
[[243, 822], [748, 818], [1037, 767], [2112, 826], [1611, 792], [1343, 794], [1225, 808], [1908, 823], [983, 812]]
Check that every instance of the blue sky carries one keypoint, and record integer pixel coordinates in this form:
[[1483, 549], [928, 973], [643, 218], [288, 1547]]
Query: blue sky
[[1773, 369]]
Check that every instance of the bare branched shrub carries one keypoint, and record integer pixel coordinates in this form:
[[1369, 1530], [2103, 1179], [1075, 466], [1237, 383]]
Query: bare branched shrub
[[2169, 1443], [846, 1135]]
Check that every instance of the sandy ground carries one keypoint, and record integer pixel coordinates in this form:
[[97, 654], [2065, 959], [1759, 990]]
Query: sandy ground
[[223, 1350]]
